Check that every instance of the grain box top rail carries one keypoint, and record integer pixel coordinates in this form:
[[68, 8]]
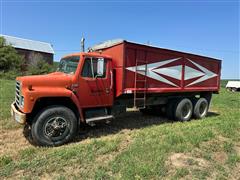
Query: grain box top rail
[[114, 42]]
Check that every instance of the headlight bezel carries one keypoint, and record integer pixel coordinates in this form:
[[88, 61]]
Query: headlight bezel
[[21, 101]]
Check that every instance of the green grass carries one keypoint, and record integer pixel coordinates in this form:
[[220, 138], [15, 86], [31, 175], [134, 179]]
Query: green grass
[[181, 173], [132, 147], [7, 93]]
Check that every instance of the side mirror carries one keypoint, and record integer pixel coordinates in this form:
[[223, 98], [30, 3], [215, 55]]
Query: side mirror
[[100, 67]]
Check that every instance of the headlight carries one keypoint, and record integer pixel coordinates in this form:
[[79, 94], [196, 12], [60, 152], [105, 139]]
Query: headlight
[[21, 101]]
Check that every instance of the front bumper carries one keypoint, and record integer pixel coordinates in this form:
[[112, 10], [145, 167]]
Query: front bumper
[[17, 115]]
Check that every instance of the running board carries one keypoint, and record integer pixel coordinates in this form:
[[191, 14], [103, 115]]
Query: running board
[[99, 118]]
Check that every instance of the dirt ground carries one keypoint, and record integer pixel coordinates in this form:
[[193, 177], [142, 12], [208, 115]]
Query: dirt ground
[[12, 141]]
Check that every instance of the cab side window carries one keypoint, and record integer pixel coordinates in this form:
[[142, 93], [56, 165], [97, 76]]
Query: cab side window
[[87, 70], [90, 68]]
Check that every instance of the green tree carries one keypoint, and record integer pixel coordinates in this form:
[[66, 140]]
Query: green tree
[[9, 58], [37, 64], [40, 67]]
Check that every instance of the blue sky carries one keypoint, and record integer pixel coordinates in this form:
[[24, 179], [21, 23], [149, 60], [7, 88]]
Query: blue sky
[[208, 28]]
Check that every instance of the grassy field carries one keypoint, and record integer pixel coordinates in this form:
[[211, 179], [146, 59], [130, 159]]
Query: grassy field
[[132, 146]]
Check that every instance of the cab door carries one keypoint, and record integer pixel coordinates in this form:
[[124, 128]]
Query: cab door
[[95, 82]]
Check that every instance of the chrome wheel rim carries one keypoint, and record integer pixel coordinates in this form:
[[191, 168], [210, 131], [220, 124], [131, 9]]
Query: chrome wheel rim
[[202, 108], [56, 128], [186, 110]]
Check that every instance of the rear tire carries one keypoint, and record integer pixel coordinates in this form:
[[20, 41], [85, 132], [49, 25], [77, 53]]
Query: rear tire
[[54, 126], [200, 108], [183, 110]]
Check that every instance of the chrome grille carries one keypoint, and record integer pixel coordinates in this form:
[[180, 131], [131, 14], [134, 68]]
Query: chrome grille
[[18, 95]]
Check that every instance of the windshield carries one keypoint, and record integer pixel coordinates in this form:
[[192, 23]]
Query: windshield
[[69, 64]]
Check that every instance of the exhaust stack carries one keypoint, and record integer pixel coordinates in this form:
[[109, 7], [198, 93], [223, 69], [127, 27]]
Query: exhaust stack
[[83, 44]]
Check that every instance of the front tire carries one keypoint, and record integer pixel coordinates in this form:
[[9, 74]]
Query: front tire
[[27, 134], [54, 126]]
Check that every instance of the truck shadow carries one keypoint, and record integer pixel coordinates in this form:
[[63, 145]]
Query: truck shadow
[[128, 121]]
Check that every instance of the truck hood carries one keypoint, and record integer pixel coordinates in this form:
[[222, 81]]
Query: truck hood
[[56, 79]]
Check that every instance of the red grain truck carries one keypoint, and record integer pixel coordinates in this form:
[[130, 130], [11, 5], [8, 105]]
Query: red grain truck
[[102, 83]]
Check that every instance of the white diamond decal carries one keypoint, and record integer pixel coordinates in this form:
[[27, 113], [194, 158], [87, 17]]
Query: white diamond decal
[[154, 68], [191, 73], [155, 71], [173, 71], [206, 74]]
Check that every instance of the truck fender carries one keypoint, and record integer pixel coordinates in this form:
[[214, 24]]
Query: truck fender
[[76, 102]]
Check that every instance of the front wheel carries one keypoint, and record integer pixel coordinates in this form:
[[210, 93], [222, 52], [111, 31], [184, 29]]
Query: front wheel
[[54, 126]]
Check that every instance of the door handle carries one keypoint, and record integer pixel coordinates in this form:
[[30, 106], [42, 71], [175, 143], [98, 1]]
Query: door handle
[[107, 90], [111, 80]]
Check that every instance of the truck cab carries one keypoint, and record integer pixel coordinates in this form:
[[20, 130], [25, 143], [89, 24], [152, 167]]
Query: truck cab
[[54, 104]]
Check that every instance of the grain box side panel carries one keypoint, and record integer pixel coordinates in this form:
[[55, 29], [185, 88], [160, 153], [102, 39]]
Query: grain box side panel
[[161, 63], [170, 71]]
